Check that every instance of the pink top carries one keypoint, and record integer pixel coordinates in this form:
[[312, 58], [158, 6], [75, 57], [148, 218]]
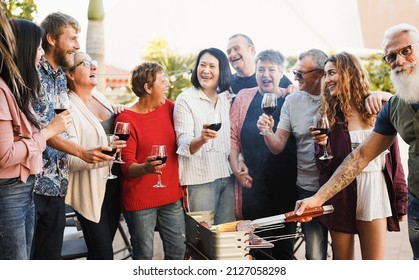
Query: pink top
[[21, 144]]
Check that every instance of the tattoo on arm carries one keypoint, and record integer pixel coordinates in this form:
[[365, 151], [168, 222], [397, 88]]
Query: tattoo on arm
[[342, 177]]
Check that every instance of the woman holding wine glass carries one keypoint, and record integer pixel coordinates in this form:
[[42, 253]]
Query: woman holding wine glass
[[93, 191], [151, 192], [204, 170], [265, 182], [376, 200]]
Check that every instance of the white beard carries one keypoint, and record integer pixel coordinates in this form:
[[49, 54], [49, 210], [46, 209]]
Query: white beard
[[406, 85]]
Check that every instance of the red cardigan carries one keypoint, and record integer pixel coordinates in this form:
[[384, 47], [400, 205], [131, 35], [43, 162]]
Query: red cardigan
[[147, 130], [344, 202]]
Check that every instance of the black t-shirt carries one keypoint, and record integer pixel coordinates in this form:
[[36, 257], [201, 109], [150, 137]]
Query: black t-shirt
[[239, 83]]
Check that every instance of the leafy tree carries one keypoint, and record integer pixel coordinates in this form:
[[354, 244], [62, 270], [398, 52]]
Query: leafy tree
[[177, 67], [379, 73], [19, 8]]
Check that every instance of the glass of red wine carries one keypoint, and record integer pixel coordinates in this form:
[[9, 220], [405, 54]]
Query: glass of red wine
[[110, 142], [122, 131], [268, 105], [214, 120], [321, 123], [160, 152], [61, 102]]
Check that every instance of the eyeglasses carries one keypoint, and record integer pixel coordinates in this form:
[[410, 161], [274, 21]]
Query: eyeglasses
[[300, 74], [87, 64], [403, 52]]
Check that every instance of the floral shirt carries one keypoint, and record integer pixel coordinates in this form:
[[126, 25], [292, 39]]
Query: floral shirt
[[53, 180]]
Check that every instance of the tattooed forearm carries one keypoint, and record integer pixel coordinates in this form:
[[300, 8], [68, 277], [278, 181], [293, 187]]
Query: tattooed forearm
[[342, 177]]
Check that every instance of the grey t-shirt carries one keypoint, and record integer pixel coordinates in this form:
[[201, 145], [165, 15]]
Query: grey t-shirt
[[297, 116]]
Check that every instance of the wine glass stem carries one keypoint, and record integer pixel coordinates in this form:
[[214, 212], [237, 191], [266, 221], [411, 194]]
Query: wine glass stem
[[159, 179]]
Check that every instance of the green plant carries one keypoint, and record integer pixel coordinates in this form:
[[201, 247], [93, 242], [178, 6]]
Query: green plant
[[19, 8], [379, 73], [178, 67]]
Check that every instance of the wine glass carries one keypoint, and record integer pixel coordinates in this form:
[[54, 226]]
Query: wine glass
[[321, 123], [268, 105], [122, 131], [160, 152], [214, 120], [61, 102], [110, 142]]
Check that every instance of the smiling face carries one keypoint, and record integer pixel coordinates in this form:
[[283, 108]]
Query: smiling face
[[241, 56], [268, 75], [83, 73], [331, 77], [159, 89], [208, 73], [311, 81], [65, 47]]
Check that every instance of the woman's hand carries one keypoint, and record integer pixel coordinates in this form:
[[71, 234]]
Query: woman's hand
[[320, 139]]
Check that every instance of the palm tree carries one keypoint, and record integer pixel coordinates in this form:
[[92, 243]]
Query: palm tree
[[95, 39]]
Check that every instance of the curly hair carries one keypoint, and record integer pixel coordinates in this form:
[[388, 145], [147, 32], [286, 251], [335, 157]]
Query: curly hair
[[352, 87]]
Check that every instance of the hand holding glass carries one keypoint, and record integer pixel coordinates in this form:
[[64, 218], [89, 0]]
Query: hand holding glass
[[214, 120], [160, 152], [122, 131], [268, 105], [110, 142], [61, 102], [321, 123]]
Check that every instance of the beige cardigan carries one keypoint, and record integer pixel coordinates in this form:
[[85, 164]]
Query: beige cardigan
[[87, 185]]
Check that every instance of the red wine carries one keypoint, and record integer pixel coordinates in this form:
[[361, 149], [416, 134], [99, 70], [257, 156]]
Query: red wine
[[122, 136], [269, 110], [58, 111], [110, 153], [215, 126], [323, 130], [162, 158]]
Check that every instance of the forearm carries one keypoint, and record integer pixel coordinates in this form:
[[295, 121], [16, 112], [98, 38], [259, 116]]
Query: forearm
[[66, 146], [137, 170], [275, 142], [342, 177], [196, 144]]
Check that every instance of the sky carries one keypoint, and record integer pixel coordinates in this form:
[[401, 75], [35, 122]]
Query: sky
[[290, 26]]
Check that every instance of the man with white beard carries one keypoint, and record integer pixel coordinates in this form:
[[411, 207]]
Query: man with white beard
[[399, 115]]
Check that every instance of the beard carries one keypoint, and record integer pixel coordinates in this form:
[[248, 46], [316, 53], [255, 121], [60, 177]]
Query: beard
[[406, 85], [62, 58]]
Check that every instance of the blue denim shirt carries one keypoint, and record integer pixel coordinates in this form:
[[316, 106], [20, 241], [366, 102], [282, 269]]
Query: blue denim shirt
[[53, 180]]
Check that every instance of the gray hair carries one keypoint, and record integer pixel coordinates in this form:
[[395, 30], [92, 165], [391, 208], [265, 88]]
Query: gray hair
[[397, 29], [319, 57], [273, 56]]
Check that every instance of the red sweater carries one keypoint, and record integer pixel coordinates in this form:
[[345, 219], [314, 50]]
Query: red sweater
[[146, 130]]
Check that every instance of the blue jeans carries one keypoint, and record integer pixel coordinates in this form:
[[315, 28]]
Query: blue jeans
[[315, 234], [17, 218], [413, 224], [170, 220], [217, 196]]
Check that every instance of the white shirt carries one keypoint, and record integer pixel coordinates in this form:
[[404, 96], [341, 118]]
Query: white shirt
[[192, 108]]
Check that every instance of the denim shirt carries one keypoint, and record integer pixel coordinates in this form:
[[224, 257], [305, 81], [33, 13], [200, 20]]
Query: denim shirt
[[53, 180]]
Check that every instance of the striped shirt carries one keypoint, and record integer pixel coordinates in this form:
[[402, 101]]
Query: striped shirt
[[191, 110]]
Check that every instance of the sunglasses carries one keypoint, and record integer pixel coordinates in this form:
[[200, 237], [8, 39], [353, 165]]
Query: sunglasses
[[403, 52], [85, 62], [300, 74]]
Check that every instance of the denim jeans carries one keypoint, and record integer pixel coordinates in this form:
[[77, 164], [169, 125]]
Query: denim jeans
[[217, 196], [315, 234], [17, 218], [170, 221], [413, 224]]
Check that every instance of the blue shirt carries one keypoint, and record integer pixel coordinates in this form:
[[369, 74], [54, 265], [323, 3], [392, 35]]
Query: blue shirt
[[383, 123], [53, 180]]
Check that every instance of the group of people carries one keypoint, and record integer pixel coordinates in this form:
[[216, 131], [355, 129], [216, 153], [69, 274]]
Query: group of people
[[50, 161]]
